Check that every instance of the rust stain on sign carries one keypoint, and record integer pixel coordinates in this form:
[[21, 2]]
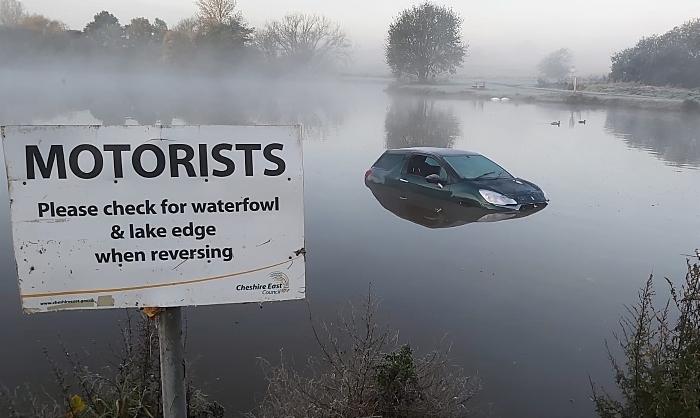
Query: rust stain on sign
[[152, 311]]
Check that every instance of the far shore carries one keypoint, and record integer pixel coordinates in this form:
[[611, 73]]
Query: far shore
[[618, 95]]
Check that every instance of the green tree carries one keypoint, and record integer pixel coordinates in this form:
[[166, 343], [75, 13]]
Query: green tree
[[105, 30], [306, 41], [556, 65], [101, 20], [231, 36], [425, 41], [672, 58], [139, 31], [159, 30]]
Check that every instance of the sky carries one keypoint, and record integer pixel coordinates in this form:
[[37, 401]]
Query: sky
[[505, 37]]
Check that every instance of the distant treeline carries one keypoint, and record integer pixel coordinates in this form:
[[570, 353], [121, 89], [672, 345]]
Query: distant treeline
[[217, 39], [423, 41], [659, 60]]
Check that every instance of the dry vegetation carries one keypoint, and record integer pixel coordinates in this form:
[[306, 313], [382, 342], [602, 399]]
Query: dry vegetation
[[128, 387], [364, 372]]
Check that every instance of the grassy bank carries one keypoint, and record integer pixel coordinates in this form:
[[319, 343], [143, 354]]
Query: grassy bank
[[603, 94]]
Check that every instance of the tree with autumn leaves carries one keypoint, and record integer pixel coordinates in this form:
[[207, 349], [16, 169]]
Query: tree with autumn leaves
[[216, 34]]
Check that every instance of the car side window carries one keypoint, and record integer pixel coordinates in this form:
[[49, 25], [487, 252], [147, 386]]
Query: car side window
[[420, 165], [389, 161], [434, 167]]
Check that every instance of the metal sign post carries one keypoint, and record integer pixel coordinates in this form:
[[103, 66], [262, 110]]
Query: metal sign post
[[157, 218], [172, 363]]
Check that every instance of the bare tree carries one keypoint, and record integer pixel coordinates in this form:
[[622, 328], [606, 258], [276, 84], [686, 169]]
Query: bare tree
[[266, 43], [11, 12], [218, 12], [306, 40], [187, 25]]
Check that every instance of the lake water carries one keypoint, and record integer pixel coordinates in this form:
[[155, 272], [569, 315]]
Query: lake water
[[527, 303]]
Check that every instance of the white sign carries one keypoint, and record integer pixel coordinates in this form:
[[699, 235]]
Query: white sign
[[151, 216]]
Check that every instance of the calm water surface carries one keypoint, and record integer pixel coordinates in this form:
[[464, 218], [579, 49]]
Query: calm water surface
[[527, 303]]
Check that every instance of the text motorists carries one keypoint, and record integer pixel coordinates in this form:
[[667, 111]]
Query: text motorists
[[194, 163]]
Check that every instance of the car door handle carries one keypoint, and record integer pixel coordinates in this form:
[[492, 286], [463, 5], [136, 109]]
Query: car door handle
[[403, 198], [403, 180]]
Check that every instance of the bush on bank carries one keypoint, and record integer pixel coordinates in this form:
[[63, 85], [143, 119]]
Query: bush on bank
[[129, 387], [660, 377], [363, 372]]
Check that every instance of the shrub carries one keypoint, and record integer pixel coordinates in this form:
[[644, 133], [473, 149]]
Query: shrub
[[128, 388], [364, 372], [661, 376]]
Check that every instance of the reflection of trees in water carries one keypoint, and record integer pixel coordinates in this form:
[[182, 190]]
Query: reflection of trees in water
[[223, 107], [674, 138], [318, 109], [319, 113], [420, 122]]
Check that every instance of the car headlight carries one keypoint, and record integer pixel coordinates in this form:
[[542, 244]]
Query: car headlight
[[496, 198]]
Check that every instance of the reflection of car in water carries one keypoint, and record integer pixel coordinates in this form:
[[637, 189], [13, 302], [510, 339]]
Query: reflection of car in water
[[432, 212], [464, 178]]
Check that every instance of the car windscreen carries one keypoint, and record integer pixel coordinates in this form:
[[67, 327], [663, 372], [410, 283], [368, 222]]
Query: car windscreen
[[475, 166]]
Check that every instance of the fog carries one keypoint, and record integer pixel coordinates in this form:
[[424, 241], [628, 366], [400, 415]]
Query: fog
[[540, 313], [55, 93], [506, 37]]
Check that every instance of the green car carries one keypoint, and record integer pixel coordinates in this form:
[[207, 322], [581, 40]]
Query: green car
[[463, 177], [435, 213]]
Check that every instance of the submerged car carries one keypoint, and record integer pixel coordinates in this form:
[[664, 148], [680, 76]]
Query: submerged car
[[436, 213], [463, 177]]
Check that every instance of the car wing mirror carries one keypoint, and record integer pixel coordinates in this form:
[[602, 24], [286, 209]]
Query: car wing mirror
[[435, 179]]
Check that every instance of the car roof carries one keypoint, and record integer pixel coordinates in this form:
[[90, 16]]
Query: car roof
[[433, 151]]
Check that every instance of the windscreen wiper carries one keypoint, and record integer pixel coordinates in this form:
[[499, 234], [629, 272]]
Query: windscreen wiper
[[483, 175]]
